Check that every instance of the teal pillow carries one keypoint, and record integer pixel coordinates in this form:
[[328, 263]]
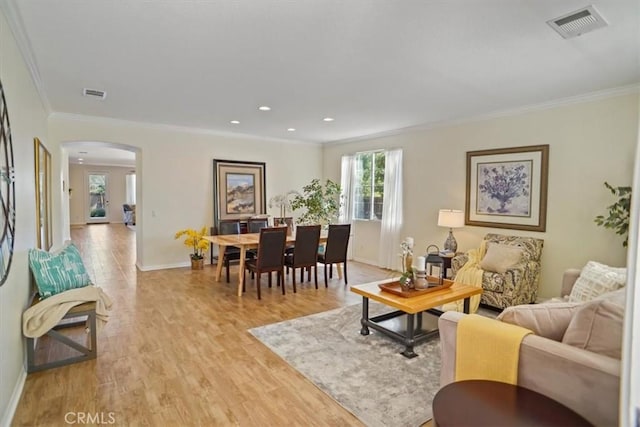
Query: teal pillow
[[58, 272]]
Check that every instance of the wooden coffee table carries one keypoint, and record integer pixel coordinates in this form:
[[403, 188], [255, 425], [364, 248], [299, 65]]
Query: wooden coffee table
[[410, 332]]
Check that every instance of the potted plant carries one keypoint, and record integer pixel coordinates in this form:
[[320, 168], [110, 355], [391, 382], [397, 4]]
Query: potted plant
[[618, 218], [195, 240], [321, 201]]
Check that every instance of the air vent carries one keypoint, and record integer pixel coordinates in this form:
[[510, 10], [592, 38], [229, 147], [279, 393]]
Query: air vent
[[577, 23], [94, 92]]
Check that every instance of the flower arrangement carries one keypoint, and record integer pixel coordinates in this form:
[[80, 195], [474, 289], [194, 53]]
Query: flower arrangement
[[407, 254], [282, 201], [194, 239]]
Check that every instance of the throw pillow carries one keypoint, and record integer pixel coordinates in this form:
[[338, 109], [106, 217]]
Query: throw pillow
[[597, 279], [597, 325], [546, 320], [58, 271], [499, 258]]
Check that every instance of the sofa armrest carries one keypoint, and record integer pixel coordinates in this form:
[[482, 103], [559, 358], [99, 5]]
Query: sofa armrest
[[568, 280], [457, 262], [584, 381]]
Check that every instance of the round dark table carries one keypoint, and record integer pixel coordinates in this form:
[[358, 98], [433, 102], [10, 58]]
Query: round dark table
[[491, 403]]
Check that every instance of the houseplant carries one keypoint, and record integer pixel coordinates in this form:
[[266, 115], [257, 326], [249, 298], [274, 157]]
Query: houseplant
[[618, 218], [321, 201], [195, 240]]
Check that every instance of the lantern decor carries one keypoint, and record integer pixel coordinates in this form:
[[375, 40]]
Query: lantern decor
[[434, 260]]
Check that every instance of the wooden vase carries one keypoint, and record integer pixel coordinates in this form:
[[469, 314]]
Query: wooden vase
[[197, 264]]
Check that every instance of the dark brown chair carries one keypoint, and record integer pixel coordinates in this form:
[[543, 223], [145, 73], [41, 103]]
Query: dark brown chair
[[305, 252], [270, 255], [255, 224], [335, 251], [227, 226]]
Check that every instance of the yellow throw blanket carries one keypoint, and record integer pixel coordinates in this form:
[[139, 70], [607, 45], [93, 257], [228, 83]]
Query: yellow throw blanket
[[469, 274], [38, 319], [488, 349]]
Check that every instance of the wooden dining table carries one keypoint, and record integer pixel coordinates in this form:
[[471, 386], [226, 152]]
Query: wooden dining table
[[243, 242]]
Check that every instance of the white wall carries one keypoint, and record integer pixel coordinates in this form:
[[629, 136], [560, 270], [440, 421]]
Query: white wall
[[79, 201], [28, 120], [175, 175], [590, 142]]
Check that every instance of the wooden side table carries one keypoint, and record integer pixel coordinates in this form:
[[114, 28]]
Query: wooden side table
[[490, 403]]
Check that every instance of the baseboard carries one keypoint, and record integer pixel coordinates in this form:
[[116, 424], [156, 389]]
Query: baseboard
[[15, 399], [164, 266], [365, 261]]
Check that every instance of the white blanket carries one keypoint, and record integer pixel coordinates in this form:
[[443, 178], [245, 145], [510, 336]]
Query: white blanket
[[38, 319]]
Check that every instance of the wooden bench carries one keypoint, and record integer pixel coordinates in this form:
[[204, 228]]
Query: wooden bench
[[87, 313]]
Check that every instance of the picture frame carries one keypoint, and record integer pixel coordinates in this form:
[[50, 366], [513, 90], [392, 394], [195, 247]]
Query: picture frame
[[507, 188], [42, 160], [239, 189]]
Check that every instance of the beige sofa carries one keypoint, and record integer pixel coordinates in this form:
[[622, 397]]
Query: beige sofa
[[585, 381]]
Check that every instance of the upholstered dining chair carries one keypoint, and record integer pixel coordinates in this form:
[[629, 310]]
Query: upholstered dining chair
[[335, 251], [304, 253], [255, 224], [227, 226], [270, 256]]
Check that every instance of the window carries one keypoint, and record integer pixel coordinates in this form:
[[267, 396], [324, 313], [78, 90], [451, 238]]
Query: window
[[369, 185]]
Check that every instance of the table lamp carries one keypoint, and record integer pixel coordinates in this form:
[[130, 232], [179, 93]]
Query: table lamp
[[453, 219]]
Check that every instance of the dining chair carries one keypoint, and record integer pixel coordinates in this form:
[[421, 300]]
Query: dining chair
[[270, 256], [255, 224], [335, 251], [227, 226], [304, 253]]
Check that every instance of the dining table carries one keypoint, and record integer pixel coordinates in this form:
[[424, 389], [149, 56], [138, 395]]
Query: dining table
[[244, 242]]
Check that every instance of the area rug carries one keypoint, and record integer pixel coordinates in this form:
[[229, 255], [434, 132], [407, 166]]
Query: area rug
[[367, 375]]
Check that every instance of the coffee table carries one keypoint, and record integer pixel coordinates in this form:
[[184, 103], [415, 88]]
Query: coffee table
[[409, 332]]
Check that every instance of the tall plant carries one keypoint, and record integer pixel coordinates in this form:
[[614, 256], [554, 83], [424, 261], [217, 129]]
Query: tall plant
[[321, 201], [618, 218]]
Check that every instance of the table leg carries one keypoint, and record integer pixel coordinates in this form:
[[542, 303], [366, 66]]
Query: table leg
[[243, 255], [466, 305], [221, 250], [409, 341], [365, 316]]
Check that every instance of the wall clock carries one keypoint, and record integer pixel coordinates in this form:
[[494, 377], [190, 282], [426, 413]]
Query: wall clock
[[7, 192]]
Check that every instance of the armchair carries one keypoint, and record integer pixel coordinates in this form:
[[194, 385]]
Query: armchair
[[518, 284]]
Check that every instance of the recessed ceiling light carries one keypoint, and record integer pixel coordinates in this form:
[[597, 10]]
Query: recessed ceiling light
[[291, 129], [234, 122], [80, 160], [328, 119], [264, 108], [82, 152]]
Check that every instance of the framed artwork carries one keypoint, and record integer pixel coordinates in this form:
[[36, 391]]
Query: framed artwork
[[43, 195], [239, 187], [507, 188], [7, 191]]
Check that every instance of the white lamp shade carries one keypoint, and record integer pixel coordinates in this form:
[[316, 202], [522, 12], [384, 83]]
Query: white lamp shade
[[450, 218]]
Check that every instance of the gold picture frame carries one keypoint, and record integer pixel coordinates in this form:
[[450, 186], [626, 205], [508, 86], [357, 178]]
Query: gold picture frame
[[42, 157], [239, 187], [507, 188]]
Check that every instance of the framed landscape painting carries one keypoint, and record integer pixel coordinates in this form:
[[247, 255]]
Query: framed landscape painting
[[239, 189], [507, 188]]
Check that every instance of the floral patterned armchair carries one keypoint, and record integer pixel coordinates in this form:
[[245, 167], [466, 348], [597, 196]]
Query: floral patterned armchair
[[519, 284]]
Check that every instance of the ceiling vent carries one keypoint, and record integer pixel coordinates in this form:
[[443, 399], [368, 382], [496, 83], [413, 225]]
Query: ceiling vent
[[577, 23], [94, 92]]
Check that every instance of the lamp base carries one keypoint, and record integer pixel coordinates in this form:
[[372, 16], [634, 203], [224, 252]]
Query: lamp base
[[450, 244]]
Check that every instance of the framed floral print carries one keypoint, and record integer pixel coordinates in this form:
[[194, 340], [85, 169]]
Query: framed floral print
[[239, 187], [507, 188]]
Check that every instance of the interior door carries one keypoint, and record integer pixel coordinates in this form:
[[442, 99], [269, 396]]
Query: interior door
[[98, 197]]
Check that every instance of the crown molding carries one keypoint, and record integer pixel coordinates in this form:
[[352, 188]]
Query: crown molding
[[166, 127], [579, 99], [14, 19]]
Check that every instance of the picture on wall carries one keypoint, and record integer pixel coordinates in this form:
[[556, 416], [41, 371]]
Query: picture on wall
[[507, 188], [239, 188]]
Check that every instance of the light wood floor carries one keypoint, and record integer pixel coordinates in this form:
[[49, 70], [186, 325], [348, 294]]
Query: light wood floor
[[176, 350]]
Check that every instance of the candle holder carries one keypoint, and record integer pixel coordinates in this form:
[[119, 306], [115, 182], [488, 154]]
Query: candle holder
[[420, 279]]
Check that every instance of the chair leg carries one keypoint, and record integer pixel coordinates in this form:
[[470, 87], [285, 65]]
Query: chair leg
[[294, 280], [326, 285], [308, 274], [315, 271], [226, 264], [258, 276], [269, 279], [330, 271], [280, 278], [345, 273]]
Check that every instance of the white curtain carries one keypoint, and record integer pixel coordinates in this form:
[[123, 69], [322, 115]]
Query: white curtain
[[346, 185], [391, 211], [130, 182]]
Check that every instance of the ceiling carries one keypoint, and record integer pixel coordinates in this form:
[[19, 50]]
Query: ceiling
[[374, 66], [99, 153]]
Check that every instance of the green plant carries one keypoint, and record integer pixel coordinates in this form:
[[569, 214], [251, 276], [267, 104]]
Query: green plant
[[618, 218], [97, 213], [322, 202]]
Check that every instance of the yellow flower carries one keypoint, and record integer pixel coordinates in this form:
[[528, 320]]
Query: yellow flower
[[194, 239]]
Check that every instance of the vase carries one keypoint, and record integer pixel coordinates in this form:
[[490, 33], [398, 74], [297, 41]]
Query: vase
[[408, 262], [197, 264]]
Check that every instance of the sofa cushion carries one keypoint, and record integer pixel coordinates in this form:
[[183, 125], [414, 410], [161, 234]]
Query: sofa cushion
[[499, 258], [546, 320], [597, 279], [56, 272], [597, 325]]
